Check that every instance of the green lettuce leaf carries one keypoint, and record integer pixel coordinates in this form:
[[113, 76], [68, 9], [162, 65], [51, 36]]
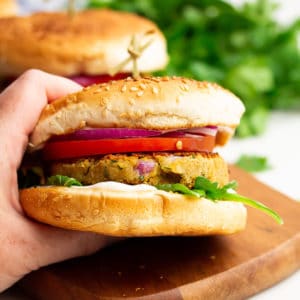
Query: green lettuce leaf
[[210, 190], [62, 180]]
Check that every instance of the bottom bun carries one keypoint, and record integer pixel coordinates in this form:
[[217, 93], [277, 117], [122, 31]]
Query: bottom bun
[[131, 213]]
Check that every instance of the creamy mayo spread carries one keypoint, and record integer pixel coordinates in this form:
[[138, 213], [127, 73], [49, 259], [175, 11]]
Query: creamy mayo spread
[[118, 186]]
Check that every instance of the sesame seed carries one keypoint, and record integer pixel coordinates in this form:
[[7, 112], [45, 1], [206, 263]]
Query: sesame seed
[[184, 80], [98, 91], [140, 93], [156, 79], [107, 88], [185, 87], [96, 212], [155, 90], [143, 86], [178, 99], [134, 89], [82, 124], [179, 145], [124, 88]]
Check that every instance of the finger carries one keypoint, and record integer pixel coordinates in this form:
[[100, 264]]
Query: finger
[[53, 245], [22, 102], [40, 245], [21, 105]]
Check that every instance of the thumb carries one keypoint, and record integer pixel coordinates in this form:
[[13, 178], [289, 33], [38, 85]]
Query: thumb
[[21, 105], [22, 102]]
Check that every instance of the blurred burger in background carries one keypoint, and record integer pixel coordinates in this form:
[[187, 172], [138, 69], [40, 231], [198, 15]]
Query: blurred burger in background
[[8, 8], [84, 46]]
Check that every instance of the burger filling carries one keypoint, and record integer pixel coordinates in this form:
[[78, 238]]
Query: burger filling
[[153, 169], [180, 161]]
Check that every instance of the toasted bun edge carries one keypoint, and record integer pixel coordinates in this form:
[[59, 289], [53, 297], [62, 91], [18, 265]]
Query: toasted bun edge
[[143, 213], [151, 103], [91, 43]]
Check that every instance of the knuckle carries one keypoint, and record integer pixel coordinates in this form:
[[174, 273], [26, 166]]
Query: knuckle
[[31, 74]]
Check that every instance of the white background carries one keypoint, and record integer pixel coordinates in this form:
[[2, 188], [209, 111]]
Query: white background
[[281, 144]]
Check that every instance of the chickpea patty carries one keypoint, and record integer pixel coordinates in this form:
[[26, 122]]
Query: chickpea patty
[[153, 169]]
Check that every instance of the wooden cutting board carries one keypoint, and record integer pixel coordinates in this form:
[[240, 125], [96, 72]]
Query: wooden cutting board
[[216, 267]]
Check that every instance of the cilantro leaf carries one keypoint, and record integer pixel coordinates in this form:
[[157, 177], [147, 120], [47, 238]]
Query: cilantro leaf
[[241, 47], [62, 180], [253, 163]]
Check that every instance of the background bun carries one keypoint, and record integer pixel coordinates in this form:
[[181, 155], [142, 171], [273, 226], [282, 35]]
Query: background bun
[[8, 8], [151, 103], [91, 42], [129, 213]]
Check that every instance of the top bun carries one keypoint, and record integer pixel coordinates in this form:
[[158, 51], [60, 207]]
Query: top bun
[[91, 42], [8, 8], [160, 103]]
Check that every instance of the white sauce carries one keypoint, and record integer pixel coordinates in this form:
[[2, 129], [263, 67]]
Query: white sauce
[[118, 186]]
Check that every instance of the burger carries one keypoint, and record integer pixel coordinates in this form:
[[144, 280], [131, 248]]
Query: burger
[[8, 8], [85, 46], [136, 158]]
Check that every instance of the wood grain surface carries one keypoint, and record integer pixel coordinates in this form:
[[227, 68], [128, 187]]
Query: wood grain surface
[[215, 267]]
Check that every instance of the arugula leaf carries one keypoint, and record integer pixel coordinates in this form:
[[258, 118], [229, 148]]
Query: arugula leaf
[[252, 203], [210, 190], [253, 163], [30, 177], [62, 180], [205, 184], [231, 185], [180, 188]]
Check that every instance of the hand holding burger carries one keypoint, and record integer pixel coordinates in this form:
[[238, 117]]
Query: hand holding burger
[[25, 244]]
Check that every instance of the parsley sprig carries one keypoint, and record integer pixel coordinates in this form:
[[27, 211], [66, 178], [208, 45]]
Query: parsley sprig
[[62, 180], [253, 163], [210, 190], [244, 48]]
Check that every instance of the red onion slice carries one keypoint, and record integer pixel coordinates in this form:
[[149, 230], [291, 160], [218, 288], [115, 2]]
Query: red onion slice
[[207, 130], [123, 133], [106, 133], [145, 167], [86, 80], [182, 134]]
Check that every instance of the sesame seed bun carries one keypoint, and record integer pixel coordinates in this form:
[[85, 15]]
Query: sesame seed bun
[[128, 213], [8, 8], [91, 43], [150, 103], [117, 209]]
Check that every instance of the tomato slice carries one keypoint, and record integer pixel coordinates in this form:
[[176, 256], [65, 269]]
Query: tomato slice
[[57, 150], [86, 80]]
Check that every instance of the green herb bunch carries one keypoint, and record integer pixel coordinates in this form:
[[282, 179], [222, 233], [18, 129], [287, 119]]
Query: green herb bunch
[[243, 49]]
